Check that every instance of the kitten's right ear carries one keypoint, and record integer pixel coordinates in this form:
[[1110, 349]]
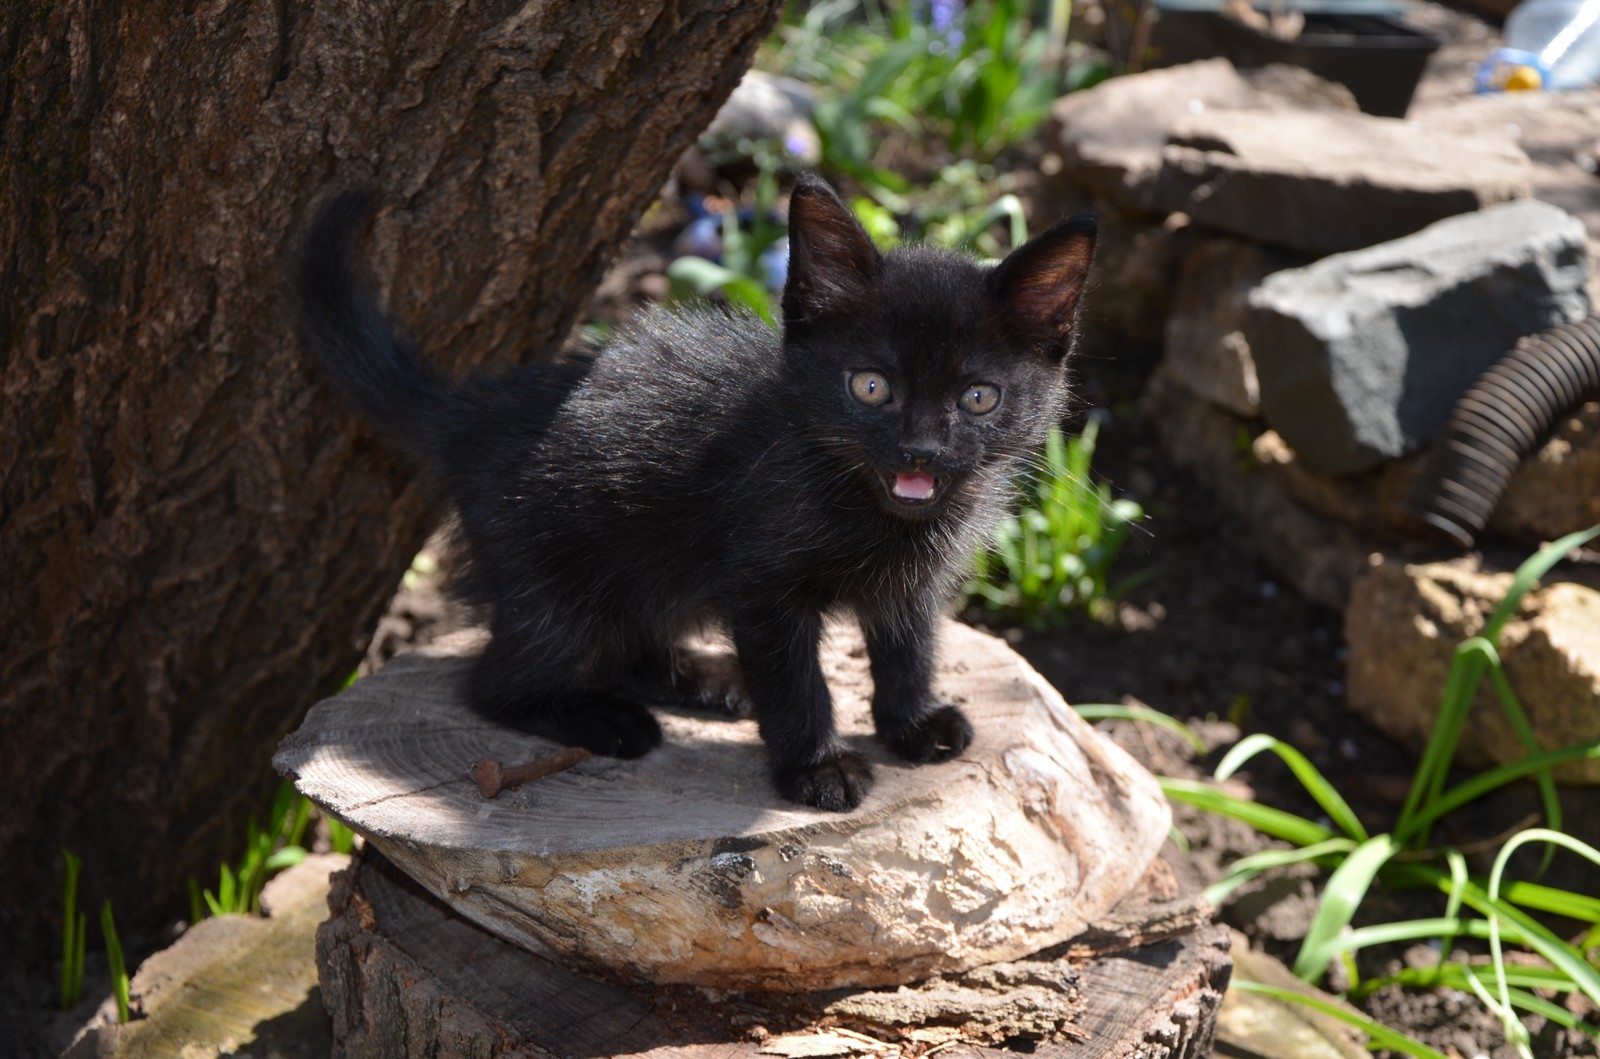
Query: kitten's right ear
[[1042, 283], [831, 258]]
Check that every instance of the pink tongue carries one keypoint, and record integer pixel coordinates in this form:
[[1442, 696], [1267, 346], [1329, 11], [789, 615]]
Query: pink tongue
[[913, 485]]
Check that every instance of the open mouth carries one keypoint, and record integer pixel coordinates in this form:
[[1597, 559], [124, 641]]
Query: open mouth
[[912, 489]]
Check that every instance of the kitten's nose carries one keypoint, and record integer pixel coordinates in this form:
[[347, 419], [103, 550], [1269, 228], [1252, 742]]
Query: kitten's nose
[[917, 452]]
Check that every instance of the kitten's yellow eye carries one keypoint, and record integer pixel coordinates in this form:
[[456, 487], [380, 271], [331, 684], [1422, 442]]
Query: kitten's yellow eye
[[979, 398], [869, 387]]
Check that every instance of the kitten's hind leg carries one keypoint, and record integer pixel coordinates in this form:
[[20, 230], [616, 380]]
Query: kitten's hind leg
[[917, 726], [710, 680], [778, 654], [531, 683], [691, 676]]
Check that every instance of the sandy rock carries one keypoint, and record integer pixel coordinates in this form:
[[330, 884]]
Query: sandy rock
[[1550, 495], [1205, 349], [685, 867], [1324, 182], [1404, 623], [1362, 355], [1556, 491]]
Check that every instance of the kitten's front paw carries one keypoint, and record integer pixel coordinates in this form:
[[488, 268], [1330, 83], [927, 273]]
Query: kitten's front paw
[[837, 784], [938, 736]]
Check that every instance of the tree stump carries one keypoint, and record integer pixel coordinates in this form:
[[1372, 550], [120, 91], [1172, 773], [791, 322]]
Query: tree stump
[[683, 869]]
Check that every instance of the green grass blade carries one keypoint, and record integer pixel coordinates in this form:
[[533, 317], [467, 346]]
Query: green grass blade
[[1315, 782], [285, 857], [1454, 975], [1401, 930], [1537, 1005], [1541, 563], [1517, 717], [340, 837], [1550, 899], [71, 984], [119, 969], [1499, 776], [1461, 686], [80, 941], [1244, 869], [282, 806], [302, 820], [1095, 711], [1380, 1035], [197, 908], [1568, 959], [1343, 893], [1264, 818]]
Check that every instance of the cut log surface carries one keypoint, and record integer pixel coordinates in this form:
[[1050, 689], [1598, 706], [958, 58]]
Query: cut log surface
[[685, 867]]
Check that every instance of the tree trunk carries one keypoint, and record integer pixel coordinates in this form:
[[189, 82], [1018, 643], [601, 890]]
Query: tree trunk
[[195, 535]]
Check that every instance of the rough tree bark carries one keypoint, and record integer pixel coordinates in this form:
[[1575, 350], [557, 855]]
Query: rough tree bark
[[194, 534]]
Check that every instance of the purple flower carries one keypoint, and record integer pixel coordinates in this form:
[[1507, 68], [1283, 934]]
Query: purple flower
[[944, 16]]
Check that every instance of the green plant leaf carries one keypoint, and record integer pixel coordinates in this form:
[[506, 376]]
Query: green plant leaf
[[706, 278], [1563, 956], [1484, 782], [1343, 893], [1541, 563], [1094, 711], [74, 935], [1263, 818], [285, 857], [1246, 868], [119, 969], [1380, 1034], [1314, 781]]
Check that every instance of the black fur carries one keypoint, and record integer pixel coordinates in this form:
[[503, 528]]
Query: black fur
[[702, 471]]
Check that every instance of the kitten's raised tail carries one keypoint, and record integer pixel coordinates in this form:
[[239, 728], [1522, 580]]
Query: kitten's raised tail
[[353, 340]]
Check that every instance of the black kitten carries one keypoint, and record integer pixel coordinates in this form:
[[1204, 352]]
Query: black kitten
[[704, 471]]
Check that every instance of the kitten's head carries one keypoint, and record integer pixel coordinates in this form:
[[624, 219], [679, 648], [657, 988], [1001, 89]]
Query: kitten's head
[[930, 372]]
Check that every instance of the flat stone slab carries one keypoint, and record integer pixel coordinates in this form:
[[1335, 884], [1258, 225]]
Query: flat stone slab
[[1361, 356], [231, 985], [685, 867], [1321, 182], [1111, 135]]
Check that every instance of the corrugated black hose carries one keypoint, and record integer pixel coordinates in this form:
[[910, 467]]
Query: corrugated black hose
[[1502, 418]]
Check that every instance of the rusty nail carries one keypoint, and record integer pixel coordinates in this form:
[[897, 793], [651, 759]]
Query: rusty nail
[[493, 777]]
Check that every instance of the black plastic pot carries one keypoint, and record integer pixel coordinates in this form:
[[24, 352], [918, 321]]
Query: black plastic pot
[[1377, 57]]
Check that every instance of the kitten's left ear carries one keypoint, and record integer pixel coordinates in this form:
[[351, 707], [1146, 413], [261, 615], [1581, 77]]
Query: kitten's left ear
[[1041, 282], [832, 261]]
